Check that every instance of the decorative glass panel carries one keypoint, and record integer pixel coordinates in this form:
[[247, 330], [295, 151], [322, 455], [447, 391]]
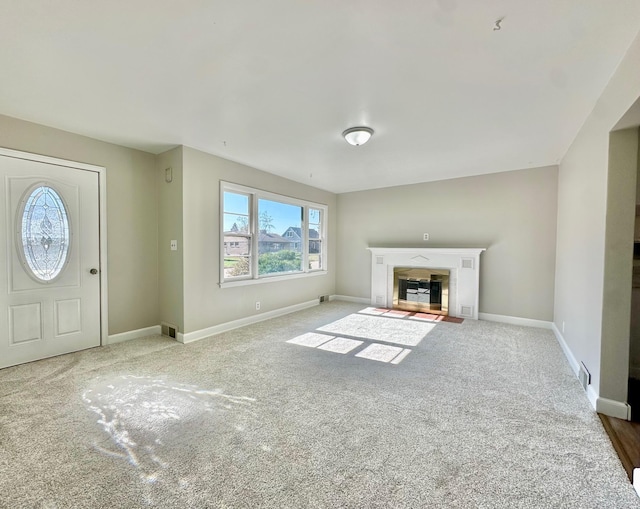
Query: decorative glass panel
[[44, 233]]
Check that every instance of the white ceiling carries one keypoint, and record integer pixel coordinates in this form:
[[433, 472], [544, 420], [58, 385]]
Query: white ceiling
[[273, 84]]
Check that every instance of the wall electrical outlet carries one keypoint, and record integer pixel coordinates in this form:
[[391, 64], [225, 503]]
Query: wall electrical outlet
[[174, 245], [257, 305], [425, 236]]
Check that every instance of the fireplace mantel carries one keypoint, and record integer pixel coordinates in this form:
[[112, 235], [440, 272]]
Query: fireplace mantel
[[463, 264]]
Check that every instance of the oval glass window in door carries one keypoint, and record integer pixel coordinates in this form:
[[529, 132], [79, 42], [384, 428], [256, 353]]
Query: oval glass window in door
[[43, 233]]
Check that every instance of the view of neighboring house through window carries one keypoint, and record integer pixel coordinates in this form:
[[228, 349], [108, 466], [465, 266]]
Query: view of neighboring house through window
[[272, 226], [278, 253], [237, 234]]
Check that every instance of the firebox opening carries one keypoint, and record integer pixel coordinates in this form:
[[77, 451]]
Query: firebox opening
[[420, 289]]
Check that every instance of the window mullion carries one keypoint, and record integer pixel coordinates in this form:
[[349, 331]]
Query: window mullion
[[255, 230], [305, 239], [319, 227], [221, 237]]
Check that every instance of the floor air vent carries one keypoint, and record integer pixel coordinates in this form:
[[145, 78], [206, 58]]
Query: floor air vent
[[168, 330], [584, 376]]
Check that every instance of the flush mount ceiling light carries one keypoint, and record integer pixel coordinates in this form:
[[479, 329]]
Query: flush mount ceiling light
[[357, 135]]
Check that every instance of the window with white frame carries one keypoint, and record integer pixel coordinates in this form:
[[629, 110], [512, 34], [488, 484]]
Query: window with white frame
[[266, 235], [315, 238]]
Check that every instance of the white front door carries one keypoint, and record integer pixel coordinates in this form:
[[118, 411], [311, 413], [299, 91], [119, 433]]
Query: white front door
[[49, 259]]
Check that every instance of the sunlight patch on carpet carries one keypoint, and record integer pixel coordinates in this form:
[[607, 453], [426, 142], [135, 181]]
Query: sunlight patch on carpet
[[380, 328], [374, 311], [311, 339], [381, 353], [340, 345], [374, 351], [401, 356]]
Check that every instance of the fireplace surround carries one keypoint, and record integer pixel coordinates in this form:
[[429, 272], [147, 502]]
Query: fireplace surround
[[463, 265]]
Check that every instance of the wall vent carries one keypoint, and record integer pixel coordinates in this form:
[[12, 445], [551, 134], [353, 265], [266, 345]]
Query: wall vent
[[324, 298], [467, 263], [584, 376], [168, 330], [466, 311]]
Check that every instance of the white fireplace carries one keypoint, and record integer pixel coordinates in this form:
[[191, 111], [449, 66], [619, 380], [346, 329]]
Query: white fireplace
[[464, 274]]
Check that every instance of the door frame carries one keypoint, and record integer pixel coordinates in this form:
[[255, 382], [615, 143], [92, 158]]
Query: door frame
[[102, 223]]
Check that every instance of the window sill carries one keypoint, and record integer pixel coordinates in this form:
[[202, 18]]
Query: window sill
[[271, 279]]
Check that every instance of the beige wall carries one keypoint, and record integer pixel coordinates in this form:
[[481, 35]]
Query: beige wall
[[512, 214], [170, 263], [634, 336], [582, 220], [149, 283], [205, 303], [618, 261], [132, 211]]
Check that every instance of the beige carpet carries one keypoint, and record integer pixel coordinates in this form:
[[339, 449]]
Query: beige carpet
[[328, 407]]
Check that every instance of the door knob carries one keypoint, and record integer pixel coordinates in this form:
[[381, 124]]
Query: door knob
[[94, 271]]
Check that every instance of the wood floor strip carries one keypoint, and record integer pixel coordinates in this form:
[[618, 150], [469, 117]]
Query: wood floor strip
[[625, 437]]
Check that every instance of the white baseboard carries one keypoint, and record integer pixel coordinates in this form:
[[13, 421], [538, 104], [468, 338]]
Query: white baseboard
[[347, 298], [636, 480], [190, 337], [592, 395], [573, 362], [134, 334], [605, 406], [515, 320], [609, 407]]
